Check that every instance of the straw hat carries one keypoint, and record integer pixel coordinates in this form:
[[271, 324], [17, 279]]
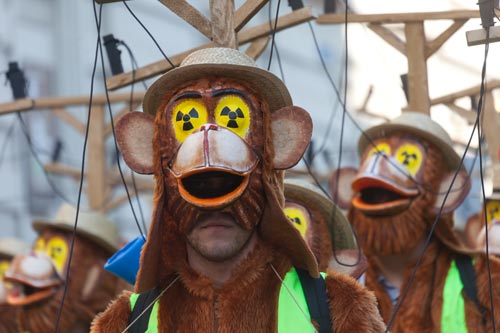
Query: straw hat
[[10, 247], [419, 124], [306, 194], [92, 225], [223, 62]]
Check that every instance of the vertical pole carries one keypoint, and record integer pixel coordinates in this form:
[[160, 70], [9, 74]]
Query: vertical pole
[[491, 127], [221, 16], [418, 87], [97, 187]]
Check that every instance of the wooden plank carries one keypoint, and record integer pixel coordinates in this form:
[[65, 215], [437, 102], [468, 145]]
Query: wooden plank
[[491, 126], [418, 89], [478, 37], [257, 47], [97, 188], [468, 115], [246, 11], [24, 104], [389, 36], [473, 91], [244, 36], [63, 170], [435, 44], [69, 119], [190, 14], [221, 16], [398, 17]]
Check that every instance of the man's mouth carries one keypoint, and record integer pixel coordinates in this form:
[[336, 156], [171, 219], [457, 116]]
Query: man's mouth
[[212, 188]]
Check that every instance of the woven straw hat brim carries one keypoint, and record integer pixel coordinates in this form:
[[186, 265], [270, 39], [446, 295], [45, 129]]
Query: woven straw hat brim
[[84, 230], [310, 196], [452, 159], [270, 86]]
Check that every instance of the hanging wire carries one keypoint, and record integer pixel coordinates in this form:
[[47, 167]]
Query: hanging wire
[[73, 236], [278, 57], [273, 35], [8, 135], [149, 33], [436, 220]]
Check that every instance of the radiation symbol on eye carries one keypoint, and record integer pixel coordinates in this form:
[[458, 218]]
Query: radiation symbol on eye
[[492, 210], [187, 117], [410, 155], [380, 148], [233, 113], [55, 249], [299, 217], [4, 266]]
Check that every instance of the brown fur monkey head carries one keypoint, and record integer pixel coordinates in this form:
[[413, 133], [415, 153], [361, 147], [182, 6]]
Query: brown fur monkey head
[[405, 173], [493, 225], [218, 132], [39, 278]]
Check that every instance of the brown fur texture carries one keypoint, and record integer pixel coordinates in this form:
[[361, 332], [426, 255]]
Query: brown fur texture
[[79, 309], [227, 309], [8, 317]]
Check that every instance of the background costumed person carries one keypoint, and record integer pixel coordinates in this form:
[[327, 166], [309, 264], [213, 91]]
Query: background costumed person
[[9, 247], [39, 278], [324, 227], [406, 170], [215, 133]]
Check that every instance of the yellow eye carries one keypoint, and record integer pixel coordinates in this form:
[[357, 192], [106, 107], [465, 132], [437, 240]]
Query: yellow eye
[[410, 156], [57, 251], [187, 117], [298, 217], [233, 113], [39, 246], [4, 266], [492, 210], [381, 147]]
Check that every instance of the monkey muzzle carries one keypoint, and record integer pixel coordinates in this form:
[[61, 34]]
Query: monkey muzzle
[[383, 187], [212, 167], [33, 278]]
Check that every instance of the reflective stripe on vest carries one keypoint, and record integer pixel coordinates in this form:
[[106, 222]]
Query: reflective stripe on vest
[[290, 317], [453, 315]]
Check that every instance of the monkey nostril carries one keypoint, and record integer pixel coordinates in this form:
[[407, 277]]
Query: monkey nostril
[[209, 127]]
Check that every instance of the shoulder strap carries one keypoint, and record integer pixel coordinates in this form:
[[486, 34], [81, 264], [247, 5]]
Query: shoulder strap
[[144, 299], [468, 278], [316, 298]]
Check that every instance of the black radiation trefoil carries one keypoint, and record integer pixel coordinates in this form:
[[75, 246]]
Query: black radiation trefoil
[[232, 115], [186, 118]]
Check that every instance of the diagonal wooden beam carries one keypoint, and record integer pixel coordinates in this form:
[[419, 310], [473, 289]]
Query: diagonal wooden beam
[[257, 47], [435, 44], [24, 104], [450, 98], [63, 170], [244, 36], [468, 115], [190, 14], [390, 37], [397, 17], [246, 11], [69, 119]]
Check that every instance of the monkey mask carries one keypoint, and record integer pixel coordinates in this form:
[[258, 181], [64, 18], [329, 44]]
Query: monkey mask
[[407, 166], [324, 227], [39, 278], [475, 230], [216, 133]]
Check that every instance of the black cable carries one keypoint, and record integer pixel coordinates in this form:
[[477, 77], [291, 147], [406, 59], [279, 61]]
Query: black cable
[[114, 138], [149, 33], [278, 57], [73, 236], [436, 220], [8, 135], [273, 35]]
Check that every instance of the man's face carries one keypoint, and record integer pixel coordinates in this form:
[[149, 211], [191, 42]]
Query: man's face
[[218, 237]]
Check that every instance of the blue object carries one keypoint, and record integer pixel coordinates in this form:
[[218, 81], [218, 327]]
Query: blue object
[[125, 262]]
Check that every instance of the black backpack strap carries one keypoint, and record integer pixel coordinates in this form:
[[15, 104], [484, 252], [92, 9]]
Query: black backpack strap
[[316, 298], [468, 278], [144, 299]]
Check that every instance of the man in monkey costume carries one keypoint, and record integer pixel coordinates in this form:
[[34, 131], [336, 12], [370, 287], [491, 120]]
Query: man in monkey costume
[[220, 253], [9, 247], [401, 188], [39, 278], [324, 227]]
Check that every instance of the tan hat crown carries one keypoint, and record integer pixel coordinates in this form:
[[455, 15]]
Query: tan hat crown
[[419, 124], [218, 55], [92, 225]]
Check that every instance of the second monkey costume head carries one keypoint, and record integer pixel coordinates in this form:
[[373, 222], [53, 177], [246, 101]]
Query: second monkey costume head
[[216, 133]]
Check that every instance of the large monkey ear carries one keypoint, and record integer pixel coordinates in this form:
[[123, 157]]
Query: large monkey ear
[[292, 130], [340, 186], [457, 193], [134, 134]]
